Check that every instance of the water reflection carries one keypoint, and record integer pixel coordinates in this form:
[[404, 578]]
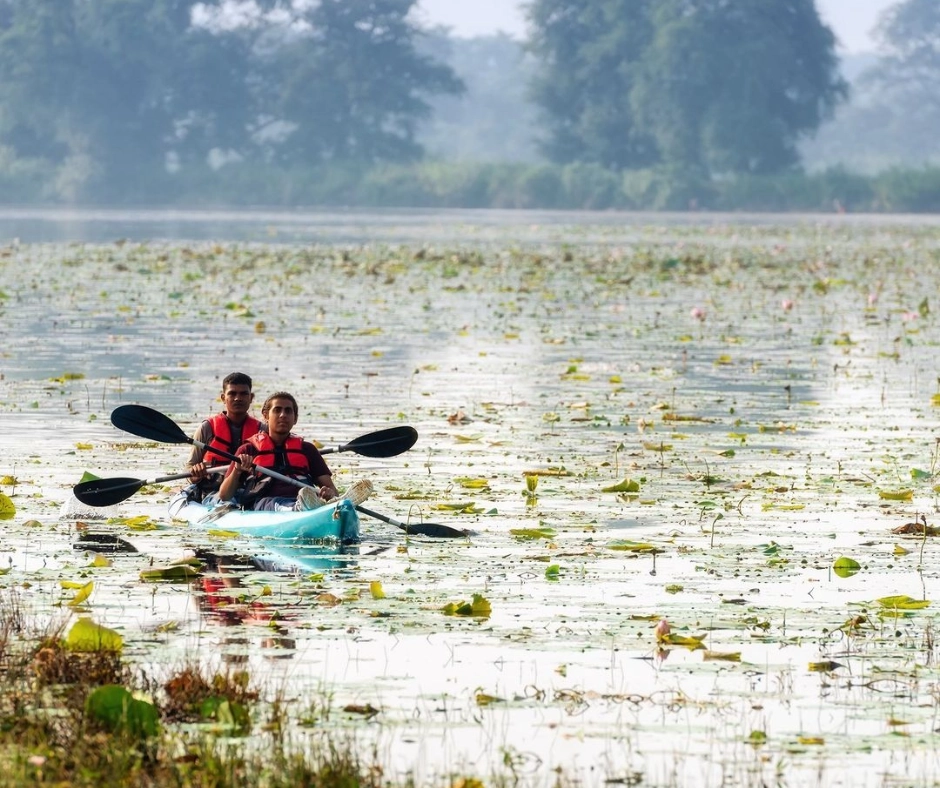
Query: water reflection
[[229, 593]]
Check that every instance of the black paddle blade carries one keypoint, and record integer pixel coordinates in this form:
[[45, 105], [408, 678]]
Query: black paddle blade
[[148, 423], [419, 529], [106, 492], [384, 443]]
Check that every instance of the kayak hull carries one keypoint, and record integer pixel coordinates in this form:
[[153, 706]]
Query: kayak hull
[[333, 522]]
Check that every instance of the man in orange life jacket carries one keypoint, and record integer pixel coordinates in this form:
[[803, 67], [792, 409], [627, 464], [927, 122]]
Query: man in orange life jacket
[[226, 431], [279, 450]]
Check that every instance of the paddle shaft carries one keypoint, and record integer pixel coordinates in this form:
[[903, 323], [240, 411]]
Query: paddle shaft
[[422, 529], [107, 492], [175, 476]]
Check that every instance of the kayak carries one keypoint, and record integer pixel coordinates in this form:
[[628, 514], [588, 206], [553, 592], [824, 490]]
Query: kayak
[[336, 521]]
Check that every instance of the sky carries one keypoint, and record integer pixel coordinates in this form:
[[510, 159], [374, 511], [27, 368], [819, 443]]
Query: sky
[[850, 20]]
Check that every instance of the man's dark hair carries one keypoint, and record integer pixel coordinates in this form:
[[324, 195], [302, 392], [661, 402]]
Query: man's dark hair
[[278, 395], [236, 379]]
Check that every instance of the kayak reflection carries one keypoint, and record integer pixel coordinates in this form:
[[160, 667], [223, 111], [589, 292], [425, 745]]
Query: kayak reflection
[[229, 592]]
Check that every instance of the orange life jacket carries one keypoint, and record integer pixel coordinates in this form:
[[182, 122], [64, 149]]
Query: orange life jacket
[[222, 437], [291, 451]]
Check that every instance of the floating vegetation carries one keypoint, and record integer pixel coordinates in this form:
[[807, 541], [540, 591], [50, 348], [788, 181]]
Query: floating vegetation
[[703, 464]]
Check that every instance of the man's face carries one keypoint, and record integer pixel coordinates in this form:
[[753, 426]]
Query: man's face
[[281, 417], [237, 398]]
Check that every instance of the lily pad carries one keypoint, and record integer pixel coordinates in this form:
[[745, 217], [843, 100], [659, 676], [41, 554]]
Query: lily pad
[[845, 567]]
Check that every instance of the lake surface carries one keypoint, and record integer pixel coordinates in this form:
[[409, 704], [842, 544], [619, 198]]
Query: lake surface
[[769, 383]]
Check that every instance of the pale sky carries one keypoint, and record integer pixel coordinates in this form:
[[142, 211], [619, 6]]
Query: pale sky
[[850, 20]]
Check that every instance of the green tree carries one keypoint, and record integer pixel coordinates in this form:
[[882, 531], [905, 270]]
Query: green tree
[[910, 35], [709, 86], [590, 52], [107, 90], [349, 83]]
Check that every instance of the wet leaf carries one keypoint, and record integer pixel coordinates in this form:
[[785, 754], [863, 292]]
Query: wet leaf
[[693, 642], [553, 572], [824, 667], [366, 710], [177, 573], [845, 567], [375, 588], [548, 472], [721, 656], [627, 485], [84, 591], [625, 545], [757, 738], [529, 534], [479, 606], [902, 602], [221, 534], [812, 740], [674, 588], [896, 495], [458, 508], [7, 508], [482, 699], [86, 635], [470, 483]]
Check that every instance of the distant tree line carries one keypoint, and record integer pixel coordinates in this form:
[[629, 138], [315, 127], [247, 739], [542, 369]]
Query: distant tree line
[[636, 104]]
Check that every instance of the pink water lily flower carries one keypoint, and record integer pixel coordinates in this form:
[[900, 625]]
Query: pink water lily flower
[[698, 313], [786, 305], [662, 630]]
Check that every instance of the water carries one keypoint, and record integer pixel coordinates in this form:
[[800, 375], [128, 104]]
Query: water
[[763, 437]]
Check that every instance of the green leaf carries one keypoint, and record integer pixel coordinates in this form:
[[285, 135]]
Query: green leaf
[[7, 508], [627, 485], [896, 495], [120, 712], [625, 545], [902, 602], [845, 567], [178, 573], [529, 534], [85, 636], [479, 606]]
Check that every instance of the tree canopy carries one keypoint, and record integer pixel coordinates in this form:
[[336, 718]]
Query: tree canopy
[[112, 91], [710, 85]]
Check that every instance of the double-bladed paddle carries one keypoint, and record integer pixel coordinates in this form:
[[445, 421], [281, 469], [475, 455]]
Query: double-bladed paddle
[[108, 492], [151, 424], [421, 529]]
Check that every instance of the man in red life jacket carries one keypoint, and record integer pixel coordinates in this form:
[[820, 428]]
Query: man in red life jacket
[[226, 431], [282, 451]]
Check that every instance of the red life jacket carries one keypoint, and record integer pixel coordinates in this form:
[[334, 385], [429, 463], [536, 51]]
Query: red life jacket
[[222, 437], [292, 451]]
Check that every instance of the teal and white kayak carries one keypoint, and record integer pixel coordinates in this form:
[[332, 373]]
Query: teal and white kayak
[[332, 522]]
